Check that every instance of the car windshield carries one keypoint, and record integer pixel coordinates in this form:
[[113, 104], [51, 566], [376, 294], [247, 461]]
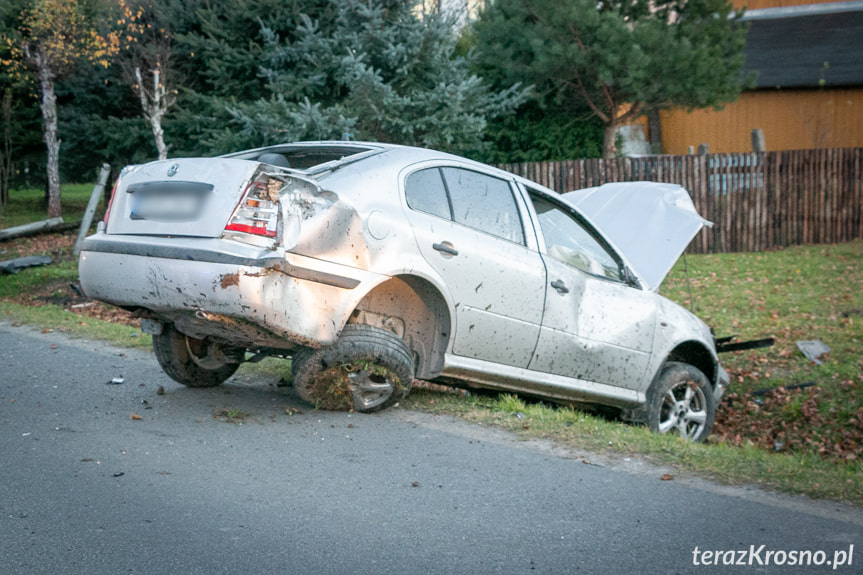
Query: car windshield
[[567, 240]]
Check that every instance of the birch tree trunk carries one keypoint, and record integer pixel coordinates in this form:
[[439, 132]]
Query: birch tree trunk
[[49, 114], [154, 105]]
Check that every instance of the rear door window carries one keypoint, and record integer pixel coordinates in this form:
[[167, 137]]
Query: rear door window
[[484, 203], [469, 198], [425, 192]]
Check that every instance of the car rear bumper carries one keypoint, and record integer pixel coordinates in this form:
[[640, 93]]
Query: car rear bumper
[[223, 288]]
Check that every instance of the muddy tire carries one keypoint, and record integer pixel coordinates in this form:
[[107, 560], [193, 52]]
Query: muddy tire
[[298, 358], [681, 402], [190, 361], [366, 370]]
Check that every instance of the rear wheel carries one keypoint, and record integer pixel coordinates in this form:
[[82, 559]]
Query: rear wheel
[[194, 362], [367, 369], [298, 358], [682, 403]]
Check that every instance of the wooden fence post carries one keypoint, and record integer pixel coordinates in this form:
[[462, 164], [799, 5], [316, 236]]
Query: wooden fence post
[[756, 200]]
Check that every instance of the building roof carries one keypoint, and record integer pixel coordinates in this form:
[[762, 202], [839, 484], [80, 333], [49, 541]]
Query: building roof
[[799, 46]]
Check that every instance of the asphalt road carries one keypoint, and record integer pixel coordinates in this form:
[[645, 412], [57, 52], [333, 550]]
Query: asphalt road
[[84, 488]]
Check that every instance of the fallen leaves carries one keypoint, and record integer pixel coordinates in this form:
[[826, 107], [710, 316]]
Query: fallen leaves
[[793, 420], [56, 244]]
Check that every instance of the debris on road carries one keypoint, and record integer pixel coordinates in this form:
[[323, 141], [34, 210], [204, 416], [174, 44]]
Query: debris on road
[[16, 265], [794, 387], [813, 350]]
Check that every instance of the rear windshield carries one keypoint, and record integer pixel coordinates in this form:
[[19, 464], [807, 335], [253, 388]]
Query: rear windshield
[[300, 157]]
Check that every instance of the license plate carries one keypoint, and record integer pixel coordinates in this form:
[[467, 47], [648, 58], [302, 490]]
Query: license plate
[[177, 202]]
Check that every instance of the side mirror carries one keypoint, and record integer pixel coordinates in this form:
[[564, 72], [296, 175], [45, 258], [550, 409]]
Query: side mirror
[[630, 278]]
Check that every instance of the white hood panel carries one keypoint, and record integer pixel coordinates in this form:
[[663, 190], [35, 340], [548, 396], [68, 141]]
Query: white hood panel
[[650, 223]]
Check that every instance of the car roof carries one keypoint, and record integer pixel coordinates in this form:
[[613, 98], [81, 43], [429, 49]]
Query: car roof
[[337, 154]]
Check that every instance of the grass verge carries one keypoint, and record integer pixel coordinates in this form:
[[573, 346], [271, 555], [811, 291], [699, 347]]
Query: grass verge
[[56, 318], [796, 473], [796, 294], [26, 206]]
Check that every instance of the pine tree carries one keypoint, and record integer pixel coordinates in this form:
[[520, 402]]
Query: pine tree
[[623, 58]]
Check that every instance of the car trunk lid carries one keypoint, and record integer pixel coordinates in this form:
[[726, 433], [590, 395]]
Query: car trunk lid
[[193, 197]]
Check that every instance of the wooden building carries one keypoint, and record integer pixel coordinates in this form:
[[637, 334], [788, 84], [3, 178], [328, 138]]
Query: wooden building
[[809, 90]]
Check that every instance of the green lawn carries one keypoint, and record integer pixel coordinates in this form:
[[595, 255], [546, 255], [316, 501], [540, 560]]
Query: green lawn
[[796, 294], [26, 206]]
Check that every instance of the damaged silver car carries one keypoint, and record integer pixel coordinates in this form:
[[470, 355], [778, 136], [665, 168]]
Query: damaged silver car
[[370, 265]]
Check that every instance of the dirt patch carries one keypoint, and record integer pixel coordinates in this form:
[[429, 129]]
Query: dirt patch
[[332, 390]]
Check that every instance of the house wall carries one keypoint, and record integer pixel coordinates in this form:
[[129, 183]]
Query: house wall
[[760, 4], [790, 119]]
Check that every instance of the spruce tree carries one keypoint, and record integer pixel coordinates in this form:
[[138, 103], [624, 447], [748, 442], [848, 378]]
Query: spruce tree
[[373, 70]]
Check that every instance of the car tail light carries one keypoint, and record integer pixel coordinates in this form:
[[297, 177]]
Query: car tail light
[[258, 210], [111, 201]]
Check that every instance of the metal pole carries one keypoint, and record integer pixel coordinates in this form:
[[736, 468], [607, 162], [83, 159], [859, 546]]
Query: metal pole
[[98, 190]]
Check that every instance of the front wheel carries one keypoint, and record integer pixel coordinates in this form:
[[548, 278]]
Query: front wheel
[[681, 402], [194, 362], [367, 369]]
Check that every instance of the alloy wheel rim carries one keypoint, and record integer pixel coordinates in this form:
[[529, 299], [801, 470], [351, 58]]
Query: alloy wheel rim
[[369, 390], [684, 411]]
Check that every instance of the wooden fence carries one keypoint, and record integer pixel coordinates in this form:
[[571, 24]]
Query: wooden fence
[[756, 201]]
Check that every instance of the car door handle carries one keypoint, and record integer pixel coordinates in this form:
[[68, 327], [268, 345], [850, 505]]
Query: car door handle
[[446, 248], [560, 286]]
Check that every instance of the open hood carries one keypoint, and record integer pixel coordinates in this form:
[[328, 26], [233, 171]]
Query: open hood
[[650, 223]]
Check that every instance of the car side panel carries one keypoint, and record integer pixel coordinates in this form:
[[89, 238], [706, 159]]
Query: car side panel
[[676, 326], [489, 375], [600, 330], [497, 288]]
